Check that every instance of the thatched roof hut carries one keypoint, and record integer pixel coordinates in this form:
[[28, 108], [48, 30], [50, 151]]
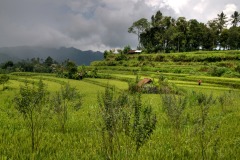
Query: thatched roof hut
[[144, 81]]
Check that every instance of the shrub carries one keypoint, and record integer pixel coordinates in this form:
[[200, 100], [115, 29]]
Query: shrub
[[4, 79], [217, 71], [32, 104], [237, 68], [124, 114], [174, 107], [160, 58], [168, 88], [120, 57], [62, 101]]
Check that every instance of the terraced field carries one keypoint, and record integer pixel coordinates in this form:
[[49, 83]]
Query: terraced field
[[192, 125]]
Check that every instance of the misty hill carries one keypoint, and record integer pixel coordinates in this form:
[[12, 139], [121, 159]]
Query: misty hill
[[16, 54]]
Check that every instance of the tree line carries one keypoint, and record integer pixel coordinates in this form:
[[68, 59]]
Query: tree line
[[166, 34], [65, 69], [49, 65]]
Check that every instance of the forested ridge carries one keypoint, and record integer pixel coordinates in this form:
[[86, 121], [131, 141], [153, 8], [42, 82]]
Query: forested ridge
[[166, 34]]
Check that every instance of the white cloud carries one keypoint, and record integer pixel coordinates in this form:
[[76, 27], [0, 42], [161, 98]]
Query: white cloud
[[229, 9], [200, 7], [177, 6]]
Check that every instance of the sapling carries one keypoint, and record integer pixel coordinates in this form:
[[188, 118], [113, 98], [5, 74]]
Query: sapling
[[144, 122], [204, 102], [64, 99], [225, 99], [174, 107], [32, 104], [124, 114]]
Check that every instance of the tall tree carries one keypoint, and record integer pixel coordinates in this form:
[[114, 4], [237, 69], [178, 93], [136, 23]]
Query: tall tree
[[139, 27], [167, 34], [48, 61], [234, 38], [156, 19], [71, 68], [194, 35], [182, 27], [213, 32], [222, 21], [223, 39], [235, 18]]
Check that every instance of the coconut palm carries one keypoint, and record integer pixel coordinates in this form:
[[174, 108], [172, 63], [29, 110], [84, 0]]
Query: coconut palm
[[235, 18], [221, 21]]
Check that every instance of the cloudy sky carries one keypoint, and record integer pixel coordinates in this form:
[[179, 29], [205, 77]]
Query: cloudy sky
[[93, 24]]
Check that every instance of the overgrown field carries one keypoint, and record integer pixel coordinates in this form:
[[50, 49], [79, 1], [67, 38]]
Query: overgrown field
[[202, 123]]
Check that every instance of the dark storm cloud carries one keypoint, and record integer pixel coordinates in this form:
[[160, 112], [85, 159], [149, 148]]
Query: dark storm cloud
[[90, 24]]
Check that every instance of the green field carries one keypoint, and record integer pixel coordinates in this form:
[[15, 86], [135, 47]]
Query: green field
[[199, 130]]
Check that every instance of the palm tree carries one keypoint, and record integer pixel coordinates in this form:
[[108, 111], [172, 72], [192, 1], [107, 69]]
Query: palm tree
[[235, 18], [221, 21]]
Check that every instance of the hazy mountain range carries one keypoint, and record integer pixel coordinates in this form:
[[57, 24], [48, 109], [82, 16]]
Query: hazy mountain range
[[80, 57]]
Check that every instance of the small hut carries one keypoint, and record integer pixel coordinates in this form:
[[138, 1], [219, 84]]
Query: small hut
[[134, 51], [143, 82]]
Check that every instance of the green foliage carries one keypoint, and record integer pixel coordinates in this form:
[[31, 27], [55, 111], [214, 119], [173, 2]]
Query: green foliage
[[204, 131], [106, 54], [4, 79], [126, 49], [174, 107], [7, 65], [132, 85], [166, 35], [168, 88], [32, 104], [217, 71], [144, 122], [71, 67], [62, 101], [139, 27], [33, 65], [237, 69], [124, 114], [225, 100], [111, 111], [202, 128], [120, 57], [48, 61]]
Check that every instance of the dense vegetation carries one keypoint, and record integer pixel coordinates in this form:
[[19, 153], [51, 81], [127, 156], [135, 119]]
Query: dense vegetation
[[205, 63], [166, 34], [45, 116]]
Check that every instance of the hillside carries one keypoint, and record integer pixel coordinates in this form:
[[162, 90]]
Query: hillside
[[210, 63], [24, 52], [183, 69]]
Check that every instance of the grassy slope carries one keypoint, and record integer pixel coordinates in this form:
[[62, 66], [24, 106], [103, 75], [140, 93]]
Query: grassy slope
[[83, 139]]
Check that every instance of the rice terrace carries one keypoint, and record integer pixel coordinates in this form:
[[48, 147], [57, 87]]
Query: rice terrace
[[106, 114], [177, 96]]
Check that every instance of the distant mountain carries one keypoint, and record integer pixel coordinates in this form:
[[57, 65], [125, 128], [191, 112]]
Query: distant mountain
[[16, 54]]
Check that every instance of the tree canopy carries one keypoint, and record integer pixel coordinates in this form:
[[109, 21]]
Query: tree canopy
[[166, 34]]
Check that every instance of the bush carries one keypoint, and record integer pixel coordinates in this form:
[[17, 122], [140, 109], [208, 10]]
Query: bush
[[124, 114], [160, 58], [217, 71], [237, 68], [168, 88], [32, 104], [4, 79]]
